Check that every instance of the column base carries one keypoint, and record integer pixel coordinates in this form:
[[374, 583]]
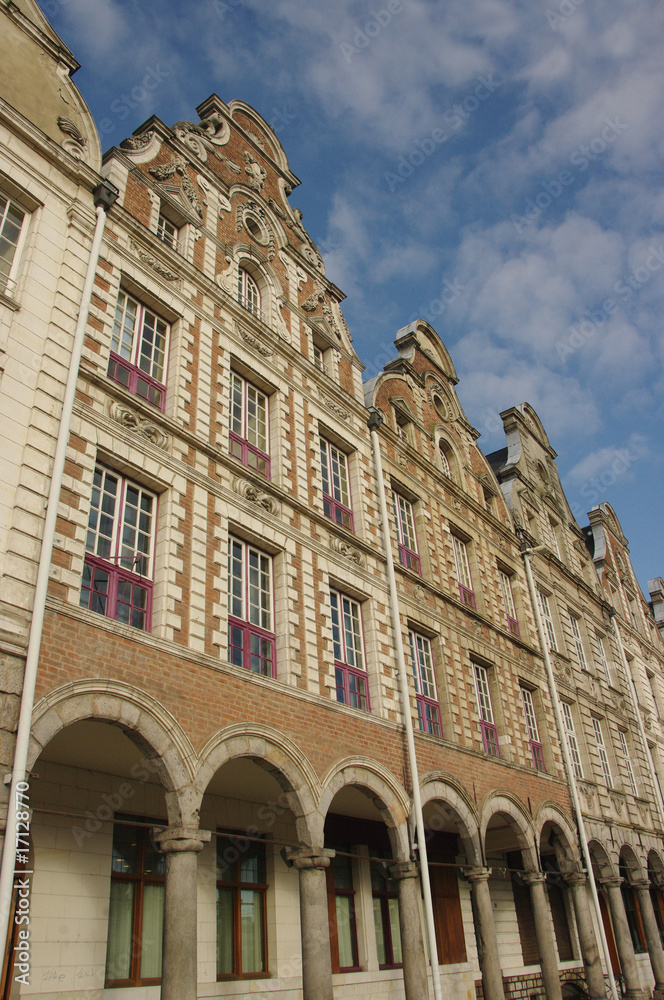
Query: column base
[[658, 992]]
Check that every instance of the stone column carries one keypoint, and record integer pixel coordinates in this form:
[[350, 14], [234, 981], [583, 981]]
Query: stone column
[[485, 934], [623, 938], [415, 967], [592, 964], [311, 863], [179, 969], [653, 940], [544, 935]]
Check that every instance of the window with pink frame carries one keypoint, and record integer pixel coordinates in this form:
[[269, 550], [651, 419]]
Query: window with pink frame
[[336, 489], [139, 346], [487, 722], [349, 661], [251, 639], [428, 710], [463, 571], [249, 432], [119, 550], [406, 538]]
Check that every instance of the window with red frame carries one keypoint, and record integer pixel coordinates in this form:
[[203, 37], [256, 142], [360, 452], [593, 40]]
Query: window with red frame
[[117, 574], [406, 538], [533, 730], [349, 672], [508, 600], [487, 723], [136, 908], [138, 351], [249, 425], [241, 910], [341, 914], [250, 622], [463, 571], [336, 492], [428, 711]]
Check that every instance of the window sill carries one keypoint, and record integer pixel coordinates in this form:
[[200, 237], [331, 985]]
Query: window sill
[[9, 302]]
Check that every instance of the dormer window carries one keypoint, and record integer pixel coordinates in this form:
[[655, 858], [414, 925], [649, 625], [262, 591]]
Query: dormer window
[[446, 465], [167, 232], [248, 293]]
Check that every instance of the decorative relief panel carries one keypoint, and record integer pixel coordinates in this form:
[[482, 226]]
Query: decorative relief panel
[[178, 166], [137, 422], [337, 408], [154, 263], [256, 173], [251, 491], [344, 548], [252, 341], [76, 143]]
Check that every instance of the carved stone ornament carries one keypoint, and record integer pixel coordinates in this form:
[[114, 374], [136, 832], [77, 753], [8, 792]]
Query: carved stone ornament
[[204, 186], [224, 204], [155, 264], [252, 341], [260, 232], [277, 209], [178, 166], [205, 136], [421, 595], [137, 142], [250, 491], [457, 504], [644, 812], [337, 408], [345, 549], [588, 793], [257, 139], [136, 422], [256, 173], [618, 804], [76, 142]]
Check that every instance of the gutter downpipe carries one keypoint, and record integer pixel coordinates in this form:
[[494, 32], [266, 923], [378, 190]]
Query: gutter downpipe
[[374, 422], [571, 780], [635, 703], [105, 195]]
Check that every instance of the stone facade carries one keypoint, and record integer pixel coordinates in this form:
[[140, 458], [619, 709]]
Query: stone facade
[[220, 787]]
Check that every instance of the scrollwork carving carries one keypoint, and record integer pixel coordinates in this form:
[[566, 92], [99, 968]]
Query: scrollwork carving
[[253, 341], [345, 549], [337, 408], [137, 142], [155, 264], [77, 142], [255, 172], [251, 491], [133, 421]]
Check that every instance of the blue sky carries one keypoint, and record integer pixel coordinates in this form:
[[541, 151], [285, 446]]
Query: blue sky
[[494, 166]]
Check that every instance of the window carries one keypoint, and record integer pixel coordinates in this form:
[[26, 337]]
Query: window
[[167, 232], [250, 628], [508, 598], [403, 425], [533, 730], [119, 549], [11, 224], [487, 725], [241, 913], [632, 909], [386, 918], [248, 417], [428, 711], [405, 522], [603, 658], [547, 620], [631, 603], [336, 492], [138, 351], [443, 451], [341, 913], [349, 673], [463, 571], [319, 357], [136, 906], [601, 749], [628, 762], [652, 684], [248, 293], [555, 543], [572, 742], [578, 645]]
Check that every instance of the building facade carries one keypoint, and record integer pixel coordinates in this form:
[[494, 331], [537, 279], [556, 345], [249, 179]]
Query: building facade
[[262, 574]]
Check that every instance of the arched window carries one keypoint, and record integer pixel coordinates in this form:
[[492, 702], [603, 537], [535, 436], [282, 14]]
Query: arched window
[[248, 294], [444, 452]]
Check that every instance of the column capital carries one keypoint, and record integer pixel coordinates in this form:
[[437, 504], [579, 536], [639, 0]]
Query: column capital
[[640, 884], [611, 881], [303, 858], [533, 878], [478, 874], [404, 869], [180, 839], [575, 878]]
